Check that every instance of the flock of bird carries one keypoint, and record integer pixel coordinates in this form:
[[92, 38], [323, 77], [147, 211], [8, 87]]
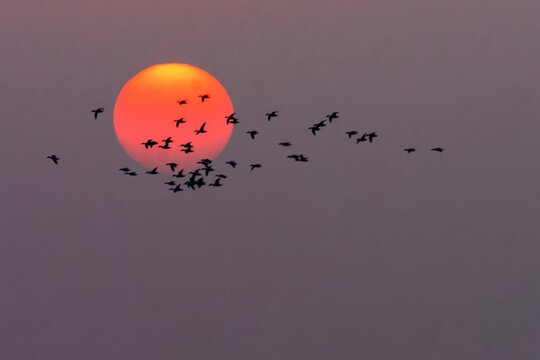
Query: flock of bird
[[198, 178]]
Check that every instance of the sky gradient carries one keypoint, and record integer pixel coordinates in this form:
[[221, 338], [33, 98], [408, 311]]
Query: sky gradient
[[364, 252]]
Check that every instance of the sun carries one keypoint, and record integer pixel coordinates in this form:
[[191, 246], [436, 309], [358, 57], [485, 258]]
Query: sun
[[172, 101]]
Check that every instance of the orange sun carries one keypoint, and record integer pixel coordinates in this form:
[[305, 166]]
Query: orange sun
[[150, 104]]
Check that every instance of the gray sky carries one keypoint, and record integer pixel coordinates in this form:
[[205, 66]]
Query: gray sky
[[364, 252]]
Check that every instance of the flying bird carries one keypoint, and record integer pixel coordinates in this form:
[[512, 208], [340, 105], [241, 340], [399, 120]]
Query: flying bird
[[54, 158], [269, 116], [204, 162], [187, 150], [182, 102], [351, 133], [231, 119], [285, 144], [314, 129], [180, 174], [362, 139], [204, 97], [332, 116], [97, 112], [131, 173], [221, 176], [254, 166], [295, 157], [371, 136], [171, 183], [172, 166], [149, 143], [167, 141], [320, 123], [207, 170], [201, 130], [216, 183], [153, 171], [176, 189], [252, 133], [179, 121], [232, 163], [409, 150], [124, 169], [438, 149]]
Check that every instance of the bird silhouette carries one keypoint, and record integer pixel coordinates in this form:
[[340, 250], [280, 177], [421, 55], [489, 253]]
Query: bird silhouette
[[270, 115], [201, 130], [176, 189], [171, 183], [200, 182], [302, 158], [179, 121], [153, 171], [285, 144], [131, 173], [252, 133], [180, 174], [351, 133], [320, 123], [314, 129], [167, 141], [204, 162], [362, 138], [187, 150], [207, 170], [97, 112], [190, 183], [149, 143], [195, 173], [231, 119], [409, 150], [438, 149], [172, 166], [182, 102], [232, 163], [124, 169], [332, 116], [54, 158], [371, 136], [204, 97], [295, 157], [216, 183], [221, 176], [254, 166]]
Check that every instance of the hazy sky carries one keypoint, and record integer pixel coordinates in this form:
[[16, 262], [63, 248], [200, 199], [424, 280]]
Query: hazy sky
[[364, 252]]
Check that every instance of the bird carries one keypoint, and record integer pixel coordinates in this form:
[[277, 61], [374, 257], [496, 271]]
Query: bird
[[153, 171], [124, 169], [54, 158], [97, 111], [232, 163], [172, 183], [438, 149], [371, 136], [270, 115], [179, 121], [320, 123], [314, 129], [180, 174], [254, 166], [204, 162], [190, 183], [131, 173], [231, 119], [302, 158], [195, 173], [252, 133], [216, 183], [332, 116], [201, 130], [187, 150], [409, 150], [295, 157], [285, 144], [207, 170], [172, 166], [149, 143], [204, 97], [176, 189], [362, 138], [221, 176], [200, 182], [167, 141], [182, 102], [351, 133]]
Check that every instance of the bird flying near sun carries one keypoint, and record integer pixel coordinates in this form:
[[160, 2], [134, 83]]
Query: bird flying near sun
[[147, 108]]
